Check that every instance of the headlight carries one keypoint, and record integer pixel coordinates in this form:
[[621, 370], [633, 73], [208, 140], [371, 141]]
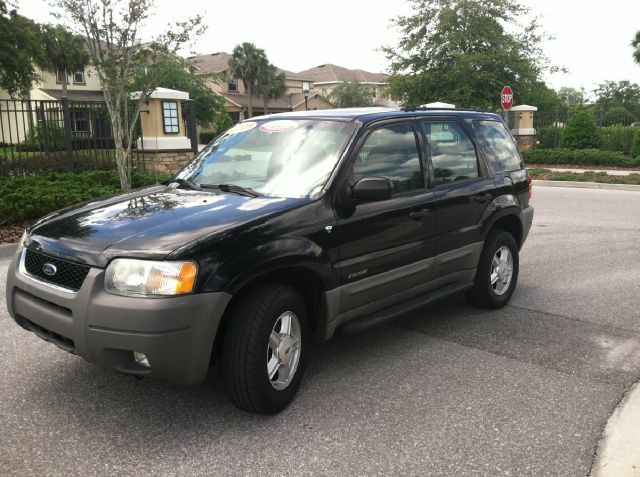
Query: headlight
[[130, 277]]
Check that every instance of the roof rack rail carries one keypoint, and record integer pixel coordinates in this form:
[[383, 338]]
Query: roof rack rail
[[420, 108]]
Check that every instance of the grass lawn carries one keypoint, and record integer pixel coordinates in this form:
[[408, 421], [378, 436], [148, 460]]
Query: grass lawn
[[587, 176]]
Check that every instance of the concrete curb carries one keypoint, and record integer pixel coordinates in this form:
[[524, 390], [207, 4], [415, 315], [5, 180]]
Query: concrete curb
[[586, 185], [619, 448], [7, 250], [611, 172]]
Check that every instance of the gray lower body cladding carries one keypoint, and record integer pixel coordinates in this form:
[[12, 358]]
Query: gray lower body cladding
[[176, 334]]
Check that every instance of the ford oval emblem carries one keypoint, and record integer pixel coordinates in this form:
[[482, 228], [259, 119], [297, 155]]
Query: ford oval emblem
[[49, 269]]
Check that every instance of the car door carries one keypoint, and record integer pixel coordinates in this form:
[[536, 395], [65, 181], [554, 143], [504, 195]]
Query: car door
[[386, 247], [463, 190]]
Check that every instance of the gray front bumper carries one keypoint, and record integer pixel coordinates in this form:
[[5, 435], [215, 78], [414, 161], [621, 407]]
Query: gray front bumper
[[176, 334]]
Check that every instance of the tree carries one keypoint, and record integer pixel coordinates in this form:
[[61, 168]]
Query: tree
[[611, 94], [63, 52], [248, 62], [125, 62], [20, 51], [581, 131], [351, 95], [464, 52], [617, 116], [177, 73], [636, 47], [571, 98], [271, 85]]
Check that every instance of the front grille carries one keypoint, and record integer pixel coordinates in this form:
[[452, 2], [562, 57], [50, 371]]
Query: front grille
[[68, 274], [60, 341]]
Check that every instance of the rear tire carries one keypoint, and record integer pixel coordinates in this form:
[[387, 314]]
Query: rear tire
[[497, 273], [264, 349]]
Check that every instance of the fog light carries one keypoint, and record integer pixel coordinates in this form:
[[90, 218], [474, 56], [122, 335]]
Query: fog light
[[141, 359]]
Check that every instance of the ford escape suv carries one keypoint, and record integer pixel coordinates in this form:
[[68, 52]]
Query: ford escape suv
[[283, 230]]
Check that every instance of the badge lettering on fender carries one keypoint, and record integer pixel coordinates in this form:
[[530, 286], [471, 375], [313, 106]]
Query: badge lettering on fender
[[357, 274]]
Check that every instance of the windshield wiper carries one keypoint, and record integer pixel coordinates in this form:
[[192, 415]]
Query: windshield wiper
[[236, 189], [187, 183]]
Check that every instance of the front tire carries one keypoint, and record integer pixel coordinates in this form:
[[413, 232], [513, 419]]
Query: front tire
[[264, 349], [497, 272]]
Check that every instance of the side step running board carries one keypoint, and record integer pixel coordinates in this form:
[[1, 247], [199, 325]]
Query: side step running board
[[396, 311]]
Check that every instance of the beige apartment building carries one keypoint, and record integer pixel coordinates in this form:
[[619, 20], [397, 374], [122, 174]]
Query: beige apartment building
[[328, 76], [17, 117], [237, 100]]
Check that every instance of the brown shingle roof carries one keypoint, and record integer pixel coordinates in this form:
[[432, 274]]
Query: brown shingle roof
[[218, 62], [330, 73], [284, 102], [212, 63], [75, 95]]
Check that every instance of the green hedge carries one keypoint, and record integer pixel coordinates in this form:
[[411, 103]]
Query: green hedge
[[586, 157], [30, 197]]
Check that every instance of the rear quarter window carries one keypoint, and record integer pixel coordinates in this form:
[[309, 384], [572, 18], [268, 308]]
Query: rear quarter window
[[500, 144]]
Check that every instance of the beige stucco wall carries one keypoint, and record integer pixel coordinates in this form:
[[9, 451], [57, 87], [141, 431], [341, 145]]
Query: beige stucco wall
[[92, 81], [152, 123], [523, 120], [14, 127]]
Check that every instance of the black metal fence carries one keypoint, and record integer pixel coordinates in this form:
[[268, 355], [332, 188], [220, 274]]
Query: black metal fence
[[54, 135], [65, 135], [615, 126]]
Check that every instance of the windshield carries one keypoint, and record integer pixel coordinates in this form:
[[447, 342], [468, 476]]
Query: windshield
[[282, 158]]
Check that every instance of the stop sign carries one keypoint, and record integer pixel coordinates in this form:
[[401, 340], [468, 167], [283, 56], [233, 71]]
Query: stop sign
[[506, 98]]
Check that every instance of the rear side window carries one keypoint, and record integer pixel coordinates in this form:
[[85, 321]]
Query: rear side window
[[391, 152], [500, 143], [452, 152]]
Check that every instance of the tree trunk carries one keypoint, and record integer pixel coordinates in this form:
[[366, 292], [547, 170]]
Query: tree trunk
[[64, 84], [250, 92], [123, 164]]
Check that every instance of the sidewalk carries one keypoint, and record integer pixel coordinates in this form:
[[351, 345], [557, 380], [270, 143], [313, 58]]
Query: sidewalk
[[619, 448]]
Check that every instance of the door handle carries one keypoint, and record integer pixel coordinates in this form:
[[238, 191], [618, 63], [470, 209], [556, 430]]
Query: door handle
[[418, 214], [482, 198]]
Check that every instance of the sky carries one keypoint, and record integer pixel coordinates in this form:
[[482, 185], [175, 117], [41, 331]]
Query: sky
[[591, 38]]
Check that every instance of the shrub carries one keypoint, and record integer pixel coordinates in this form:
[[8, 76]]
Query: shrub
[[549, 136], [617, 116], [584, 157], [29, 197], [617, 138], [223, 122], [635, 149], [581, 131], [35, 140], [207, 136], [30, 163]]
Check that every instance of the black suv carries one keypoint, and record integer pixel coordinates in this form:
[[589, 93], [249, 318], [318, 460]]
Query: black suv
[[284, 229]]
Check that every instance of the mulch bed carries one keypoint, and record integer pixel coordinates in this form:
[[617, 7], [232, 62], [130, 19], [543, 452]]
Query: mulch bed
[[11, 233]]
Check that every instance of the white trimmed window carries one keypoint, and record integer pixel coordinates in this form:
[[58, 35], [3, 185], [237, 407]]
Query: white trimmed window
[[59, 76], [170, 117], [78, 76], [232, 85]]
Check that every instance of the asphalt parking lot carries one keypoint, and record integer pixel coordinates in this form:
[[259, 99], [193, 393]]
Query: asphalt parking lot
[[448, 390]]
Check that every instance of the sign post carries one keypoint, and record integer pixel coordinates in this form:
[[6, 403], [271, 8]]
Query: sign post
[[506, 98]]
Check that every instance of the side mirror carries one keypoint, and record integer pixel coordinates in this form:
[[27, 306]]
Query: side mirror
[[372, 189]]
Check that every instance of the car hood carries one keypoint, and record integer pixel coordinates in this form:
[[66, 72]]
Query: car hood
[[149, 223]]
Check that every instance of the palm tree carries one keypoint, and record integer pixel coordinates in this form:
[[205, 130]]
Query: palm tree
[[248, 62], [271, 85], [64, 52]]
